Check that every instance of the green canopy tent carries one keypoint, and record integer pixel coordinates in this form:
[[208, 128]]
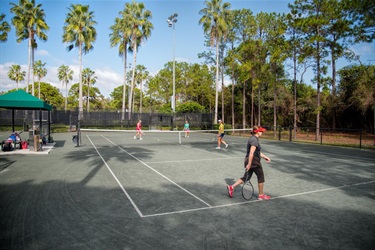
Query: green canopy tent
[[21, 100]]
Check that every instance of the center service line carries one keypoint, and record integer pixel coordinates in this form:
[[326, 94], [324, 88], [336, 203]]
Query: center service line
[[165, 177], [118, 182]]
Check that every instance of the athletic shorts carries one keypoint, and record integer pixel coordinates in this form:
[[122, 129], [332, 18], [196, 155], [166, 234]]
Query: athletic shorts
[[221, 135], [258, 170]]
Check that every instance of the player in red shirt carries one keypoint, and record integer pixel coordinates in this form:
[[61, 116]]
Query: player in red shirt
[[139, 130]]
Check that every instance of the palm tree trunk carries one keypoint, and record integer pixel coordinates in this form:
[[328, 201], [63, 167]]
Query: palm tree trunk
[[124, 87], [216, 83], [140, 104], [222, 94], [133, 76], [66, 95], [88, 95], [39, 88], [29, 67], [80, 94], [32, 71]]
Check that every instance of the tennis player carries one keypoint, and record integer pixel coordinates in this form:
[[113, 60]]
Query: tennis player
[[187, 129], [252, 164], [139, 130], [220, 135]]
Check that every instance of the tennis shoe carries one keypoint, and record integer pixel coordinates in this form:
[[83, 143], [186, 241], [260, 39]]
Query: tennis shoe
[[217, 147], [135, 138], [226, 146], [264, 197], [141, 139], [230, 191]]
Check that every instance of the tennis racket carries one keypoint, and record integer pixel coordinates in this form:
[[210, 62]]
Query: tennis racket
[[247, 188]]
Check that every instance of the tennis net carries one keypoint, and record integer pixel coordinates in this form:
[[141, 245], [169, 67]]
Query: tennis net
[[162, 136]]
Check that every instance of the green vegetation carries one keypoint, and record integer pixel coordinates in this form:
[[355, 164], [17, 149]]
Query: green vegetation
[[253, 51]]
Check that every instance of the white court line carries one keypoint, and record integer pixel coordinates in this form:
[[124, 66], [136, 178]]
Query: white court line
[[189, 147], [208, 206], [339, 156], [346, 156], [165, 177], [180, 161], [118, 182], [246, 202]]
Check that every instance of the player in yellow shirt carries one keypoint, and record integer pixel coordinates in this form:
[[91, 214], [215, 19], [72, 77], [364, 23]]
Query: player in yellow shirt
[[220, 135]]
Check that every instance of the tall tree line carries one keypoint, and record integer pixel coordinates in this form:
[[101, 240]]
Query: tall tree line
[[253, 51]]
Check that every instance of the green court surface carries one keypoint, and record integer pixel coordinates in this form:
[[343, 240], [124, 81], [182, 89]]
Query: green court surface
[[114, 192]]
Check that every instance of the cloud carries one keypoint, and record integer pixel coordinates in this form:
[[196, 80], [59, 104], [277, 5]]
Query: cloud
[[107, 81], [41, 52], [7, 84]]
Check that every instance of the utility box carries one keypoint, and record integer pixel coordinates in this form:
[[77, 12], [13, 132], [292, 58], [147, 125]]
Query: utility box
[[34, 138], [36, 142]]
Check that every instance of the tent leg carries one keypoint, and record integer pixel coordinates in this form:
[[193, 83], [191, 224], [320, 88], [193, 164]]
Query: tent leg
[[49, 127], [12, 120]]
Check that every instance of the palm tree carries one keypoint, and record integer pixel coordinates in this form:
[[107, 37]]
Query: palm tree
[[121, 36], [4, 29], [29, 21], [40, 72], [141, 75], [214, 21], [79, 32], [88, 77], [65, 74], [140, 30], [15, 74]]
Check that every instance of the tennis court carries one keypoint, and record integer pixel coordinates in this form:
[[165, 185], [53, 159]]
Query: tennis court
[[114, 192]]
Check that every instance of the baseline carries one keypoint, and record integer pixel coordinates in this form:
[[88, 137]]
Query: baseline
[[246, 202]]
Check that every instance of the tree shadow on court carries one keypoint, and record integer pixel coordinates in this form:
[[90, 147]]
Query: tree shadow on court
[[67, 214], [301, 167], [5, 163], [70, 200]]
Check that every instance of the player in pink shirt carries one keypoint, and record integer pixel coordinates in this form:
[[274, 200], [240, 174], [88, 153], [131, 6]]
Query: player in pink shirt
[[139, 130]]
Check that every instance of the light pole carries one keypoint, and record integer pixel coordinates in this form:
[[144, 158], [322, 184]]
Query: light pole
[[172, 20]]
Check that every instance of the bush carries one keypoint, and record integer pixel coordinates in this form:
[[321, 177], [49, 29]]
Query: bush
[[190, 107]]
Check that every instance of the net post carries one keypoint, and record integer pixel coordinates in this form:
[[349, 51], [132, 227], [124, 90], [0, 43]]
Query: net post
[[78, 133]]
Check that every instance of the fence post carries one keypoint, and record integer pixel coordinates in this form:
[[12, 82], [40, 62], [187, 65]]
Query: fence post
[[290, 133], [321, 136]]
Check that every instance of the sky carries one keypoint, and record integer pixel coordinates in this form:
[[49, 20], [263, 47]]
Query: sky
[[153, 53]]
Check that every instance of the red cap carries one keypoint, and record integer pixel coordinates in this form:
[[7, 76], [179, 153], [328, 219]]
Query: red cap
[[260, 129]]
